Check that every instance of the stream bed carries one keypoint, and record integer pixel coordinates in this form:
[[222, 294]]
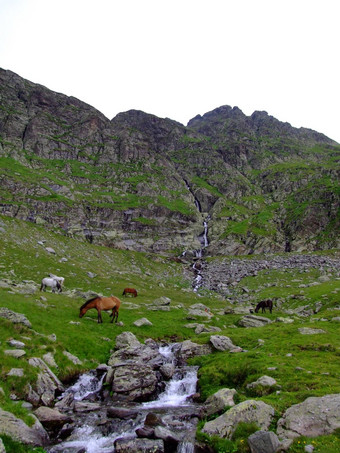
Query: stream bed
[[97, 422]]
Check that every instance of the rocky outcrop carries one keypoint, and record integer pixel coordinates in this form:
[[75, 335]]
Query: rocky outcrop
[[141, 182]]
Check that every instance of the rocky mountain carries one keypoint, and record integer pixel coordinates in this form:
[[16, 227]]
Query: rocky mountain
[[227, 182]]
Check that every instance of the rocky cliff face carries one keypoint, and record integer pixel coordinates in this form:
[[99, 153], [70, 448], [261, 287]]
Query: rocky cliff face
[[145, 183]]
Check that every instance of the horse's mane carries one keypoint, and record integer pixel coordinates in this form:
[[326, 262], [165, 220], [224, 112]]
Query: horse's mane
[[88, 301]]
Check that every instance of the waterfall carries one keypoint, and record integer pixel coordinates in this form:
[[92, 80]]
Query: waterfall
[[92, 434]]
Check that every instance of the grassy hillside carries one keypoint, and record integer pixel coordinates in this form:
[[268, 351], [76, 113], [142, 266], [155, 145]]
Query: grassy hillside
[[303, 365]]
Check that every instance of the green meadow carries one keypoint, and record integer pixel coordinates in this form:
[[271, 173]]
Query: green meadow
[[302, 365]]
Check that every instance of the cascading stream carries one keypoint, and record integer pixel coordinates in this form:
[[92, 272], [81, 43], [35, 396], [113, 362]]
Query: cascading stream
[[172, 405]]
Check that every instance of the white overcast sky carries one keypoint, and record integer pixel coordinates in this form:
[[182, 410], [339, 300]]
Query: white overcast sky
[[180, 58]]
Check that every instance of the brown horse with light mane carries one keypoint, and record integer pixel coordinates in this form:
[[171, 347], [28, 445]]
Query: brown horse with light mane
[[102, 304], [130, 291]]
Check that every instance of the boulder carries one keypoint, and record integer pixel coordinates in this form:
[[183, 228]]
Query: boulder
[[127, 340], [253, 321], [248, 411], [199, 310], [222, 343], [263, 381], [189, 349], [263, 442], [218, 402], [134, 382], [316, 416], [19, 431], [51, 418]]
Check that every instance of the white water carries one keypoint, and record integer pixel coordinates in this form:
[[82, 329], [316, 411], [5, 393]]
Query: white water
[[88, 436]]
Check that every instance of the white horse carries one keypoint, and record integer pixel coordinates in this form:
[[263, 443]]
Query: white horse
[[59, 279], [52, 283]]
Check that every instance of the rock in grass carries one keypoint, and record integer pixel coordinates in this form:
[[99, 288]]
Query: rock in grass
[[263, 442], [313, 417], [19, 431], [15, 318], [250, 411]]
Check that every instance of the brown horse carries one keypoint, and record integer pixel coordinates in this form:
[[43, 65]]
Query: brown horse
[[267, 303], [130, 291], [102, 304]]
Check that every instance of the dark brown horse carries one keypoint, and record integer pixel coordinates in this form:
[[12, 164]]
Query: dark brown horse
[[102, 304], [267, 303], [131, 291]]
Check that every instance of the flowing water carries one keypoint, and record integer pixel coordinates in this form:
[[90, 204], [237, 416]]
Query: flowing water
[[95, 434]]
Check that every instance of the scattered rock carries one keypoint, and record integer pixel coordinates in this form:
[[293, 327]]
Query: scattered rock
[[16, 353], [142, 322], [253, 321], [222, 343], [263, 442], [309, 331], [72, 357], [15, 318], [16, 372], [263, 381]]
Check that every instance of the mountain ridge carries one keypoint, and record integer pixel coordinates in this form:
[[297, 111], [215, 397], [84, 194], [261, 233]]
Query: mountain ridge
[[146, 183]]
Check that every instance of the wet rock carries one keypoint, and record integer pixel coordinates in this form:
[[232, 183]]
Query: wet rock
[[51, 418], [121, 412], [134, 382], [313, 417], [248, 411], [139, 445]]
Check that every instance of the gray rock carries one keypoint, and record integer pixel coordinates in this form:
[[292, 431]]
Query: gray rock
[[72, 357], [189, 349], [253, 321], [218, 401], [19, 431], [16, 353], [51, 418], [264, 381], [49, 359], [139, 445], [134, 382], [200, 311], [263, 442], [15, 318], [142, 322], [162, 301], [222, 343], [127, 340], [16, 372], [313, 417], [248, 411], [50, 250], [2, 447], [309, 331], [16, 344], [47, 382]]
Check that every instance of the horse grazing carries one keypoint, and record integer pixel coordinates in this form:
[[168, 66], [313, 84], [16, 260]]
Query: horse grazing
[[102, 304], [131, 291], [52, 283], [267, 303], [59, 279]]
